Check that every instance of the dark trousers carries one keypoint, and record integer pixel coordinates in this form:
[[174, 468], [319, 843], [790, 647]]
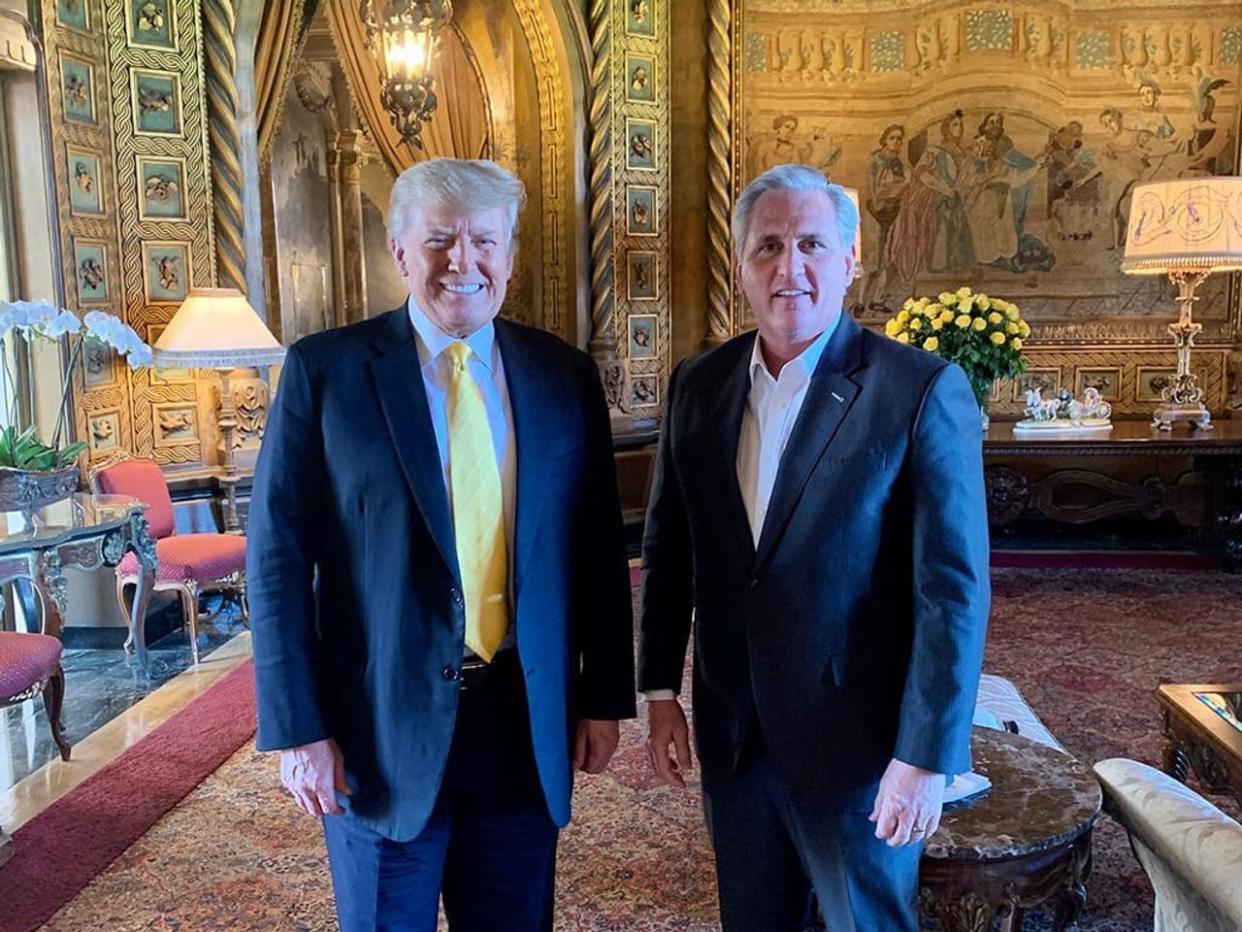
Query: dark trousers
[[768, 861], [489, 847]]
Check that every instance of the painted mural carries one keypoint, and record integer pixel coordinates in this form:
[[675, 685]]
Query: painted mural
[[996, 148]]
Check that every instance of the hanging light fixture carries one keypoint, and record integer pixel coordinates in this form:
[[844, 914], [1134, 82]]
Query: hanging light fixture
[[404, 35]]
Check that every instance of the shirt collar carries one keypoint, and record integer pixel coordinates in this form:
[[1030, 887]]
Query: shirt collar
[[435, 341], [803, 365]]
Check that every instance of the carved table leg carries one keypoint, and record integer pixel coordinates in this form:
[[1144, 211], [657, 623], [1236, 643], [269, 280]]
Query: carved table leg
[[1175, 762], [965, 913], [52, 585], [148, 563], [1072, 897]]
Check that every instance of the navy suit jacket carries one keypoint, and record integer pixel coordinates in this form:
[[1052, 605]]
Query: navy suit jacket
[[854, 632], [352, 569]]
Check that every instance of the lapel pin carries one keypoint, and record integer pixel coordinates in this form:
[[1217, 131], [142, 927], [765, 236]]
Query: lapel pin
[[838, 397]]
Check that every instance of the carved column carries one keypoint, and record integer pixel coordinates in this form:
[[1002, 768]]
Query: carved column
[[719, 171], [219, 22], [603, 345], [333, 160], [352, 267]]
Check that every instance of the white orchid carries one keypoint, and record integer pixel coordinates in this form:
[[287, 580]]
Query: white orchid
[[42, 318]]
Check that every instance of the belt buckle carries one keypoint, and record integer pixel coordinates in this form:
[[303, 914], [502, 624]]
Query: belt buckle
[[472, 665]]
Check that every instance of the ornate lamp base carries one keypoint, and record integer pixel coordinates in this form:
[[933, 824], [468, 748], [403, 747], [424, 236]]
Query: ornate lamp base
[[1169, 414]]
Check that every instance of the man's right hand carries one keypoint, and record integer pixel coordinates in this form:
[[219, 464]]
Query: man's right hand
[[314, 773], [666, 725]]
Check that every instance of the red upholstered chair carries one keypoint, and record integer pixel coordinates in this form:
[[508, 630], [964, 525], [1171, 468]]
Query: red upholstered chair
[[189, 563], [29, 665]]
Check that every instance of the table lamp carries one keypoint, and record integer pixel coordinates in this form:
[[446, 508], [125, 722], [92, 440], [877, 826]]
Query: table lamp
[[216, 328], [1186, 228]]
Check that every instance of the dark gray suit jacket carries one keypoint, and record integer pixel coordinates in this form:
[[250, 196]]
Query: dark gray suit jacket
[[854, 632]]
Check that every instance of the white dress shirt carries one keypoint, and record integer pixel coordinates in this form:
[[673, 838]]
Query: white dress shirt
[[484, 365], [771, 411]]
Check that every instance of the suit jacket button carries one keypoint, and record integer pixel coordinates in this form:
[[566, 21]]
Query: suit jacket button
[[455, 595], [450, 673]]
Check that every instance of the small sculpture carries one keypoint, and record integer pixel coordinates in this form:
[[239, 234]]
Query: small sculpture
[[1065, 412]]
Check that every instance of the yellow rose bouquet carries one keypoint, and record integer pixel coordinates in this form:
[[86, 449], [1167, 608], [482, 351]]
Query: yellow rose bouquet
[[982, 335]]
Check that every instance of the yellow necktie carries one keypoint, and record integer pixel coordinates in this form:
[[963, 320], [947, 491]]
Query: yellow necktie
[[478, 510]]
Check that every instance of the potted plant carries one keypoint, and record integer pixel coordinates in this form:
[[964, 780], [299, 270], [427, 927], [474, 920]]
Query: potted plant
[[34, 473], [982, 335]]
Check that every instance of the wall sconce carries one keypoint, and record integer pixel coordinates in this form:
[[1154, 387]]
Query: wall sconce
[[403, 34]]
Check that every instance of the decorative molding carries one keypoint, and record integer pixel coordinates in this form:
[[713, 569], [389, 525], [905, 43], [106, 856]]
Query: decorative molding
[[722, 145], [220, 21]]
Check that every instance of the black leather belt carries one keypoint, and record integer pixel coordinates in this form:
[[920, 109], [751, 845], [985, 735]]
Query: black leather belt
[[474, 670]]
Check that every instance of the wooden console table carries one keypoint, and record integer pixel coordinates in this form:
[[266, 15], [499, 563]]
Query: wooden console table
[[1132, 470]]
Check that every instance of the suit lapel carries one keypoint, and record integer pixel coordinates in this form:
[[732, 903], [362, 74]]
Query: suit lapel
[[829, 398], [398, 381], [536, 399], [725, 422]]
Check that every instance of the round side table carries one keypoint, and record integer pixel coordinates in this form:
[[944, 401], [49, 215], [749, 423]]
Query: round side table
[[1028, 840]]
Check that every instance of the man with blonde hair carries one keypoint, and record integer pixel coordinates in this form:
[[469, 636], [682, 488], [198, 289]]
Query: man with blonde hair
[[438, 581], [818, 506]]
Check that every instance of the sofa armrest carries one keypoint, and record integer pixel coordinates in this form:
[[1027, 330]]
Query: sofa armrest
[[1192, 838]]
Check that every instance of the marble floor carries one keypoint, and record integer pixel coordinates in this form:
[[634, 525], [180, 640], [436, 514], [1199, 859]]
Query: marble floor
[[109, 705]]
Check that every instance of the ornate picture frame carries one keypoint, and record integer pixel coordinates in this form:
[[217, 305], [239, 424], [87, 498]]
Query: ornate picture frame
[[642, 206], [161, 188], [86, 190], [156, 100], [644, 336], [78, 90], [640, 145], [642, 275], [640, 79], [91, 272], [151, 24], [166, 271]]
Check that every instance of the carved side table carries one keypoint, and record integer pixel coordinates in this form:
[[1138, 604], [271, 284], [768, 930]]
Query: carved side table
[[1028, 840], [85, 531], [1200, 739]]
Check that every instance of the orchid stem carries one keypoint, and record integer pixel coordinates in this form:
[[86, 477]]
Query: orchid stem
[[68, 390]]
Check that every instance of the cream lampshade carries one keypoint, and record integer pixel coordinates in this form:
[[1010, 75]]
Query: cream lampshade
[[1186, 228], [216, 328]]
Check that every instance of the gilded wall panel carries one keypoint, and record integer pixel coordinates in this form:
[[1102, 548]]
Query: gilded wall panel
[[641, 199], [134, 198]]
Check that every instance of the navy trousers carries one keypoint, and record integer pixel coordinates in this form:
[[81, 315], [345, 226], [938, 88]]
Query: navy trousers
[[768, 860], [489, 847]]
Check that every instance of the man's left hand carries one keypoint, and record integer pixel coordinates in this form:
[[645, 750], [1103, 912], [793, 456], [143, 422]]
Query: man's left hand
[[907, 807], [596, 742]]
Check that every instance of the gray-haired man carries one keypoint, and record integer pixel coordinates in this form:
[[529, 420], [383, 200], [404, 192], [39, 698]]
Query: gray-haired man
[[818, 503], [438, 579]]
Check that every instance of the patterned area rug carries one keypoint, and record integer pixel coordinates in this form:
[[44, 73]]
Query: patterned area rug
[[1086, 648]]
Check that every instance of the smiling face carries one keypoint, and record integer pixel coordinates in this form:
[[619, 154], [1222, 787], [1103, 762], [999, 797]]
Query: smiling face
[[456, 264], [793, 269]]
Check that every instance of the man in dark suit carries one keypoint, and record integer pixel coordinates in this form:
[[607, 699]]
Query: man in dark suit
[[818, 504], [438, 579]]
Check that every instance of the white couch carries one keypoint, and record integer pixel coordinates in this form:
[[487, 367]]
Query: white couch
[[1191, 851]]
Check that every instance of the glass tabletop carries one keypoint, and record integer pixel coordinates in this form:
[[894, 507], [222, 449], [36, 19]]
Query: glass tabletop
[[77, 514], [1228, 705]]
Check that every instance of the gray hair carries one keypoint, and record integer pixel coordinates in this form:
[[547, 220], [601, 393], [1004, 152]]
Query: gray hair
[[794, 177], [468, 185]]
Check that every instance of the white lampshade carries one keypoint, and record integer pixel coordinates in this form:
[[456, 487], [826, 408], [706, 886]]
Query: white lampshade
[[858, 262], [216, 328], [1187, 224]]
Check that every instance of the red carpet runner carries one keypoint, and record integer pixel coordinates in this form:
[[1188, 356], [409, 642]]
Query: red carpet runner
[[58, 852]]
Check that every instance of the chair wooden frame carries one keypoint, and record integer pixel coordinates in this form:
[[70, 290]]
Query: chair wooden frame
[[52, 687], [188, 591]]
